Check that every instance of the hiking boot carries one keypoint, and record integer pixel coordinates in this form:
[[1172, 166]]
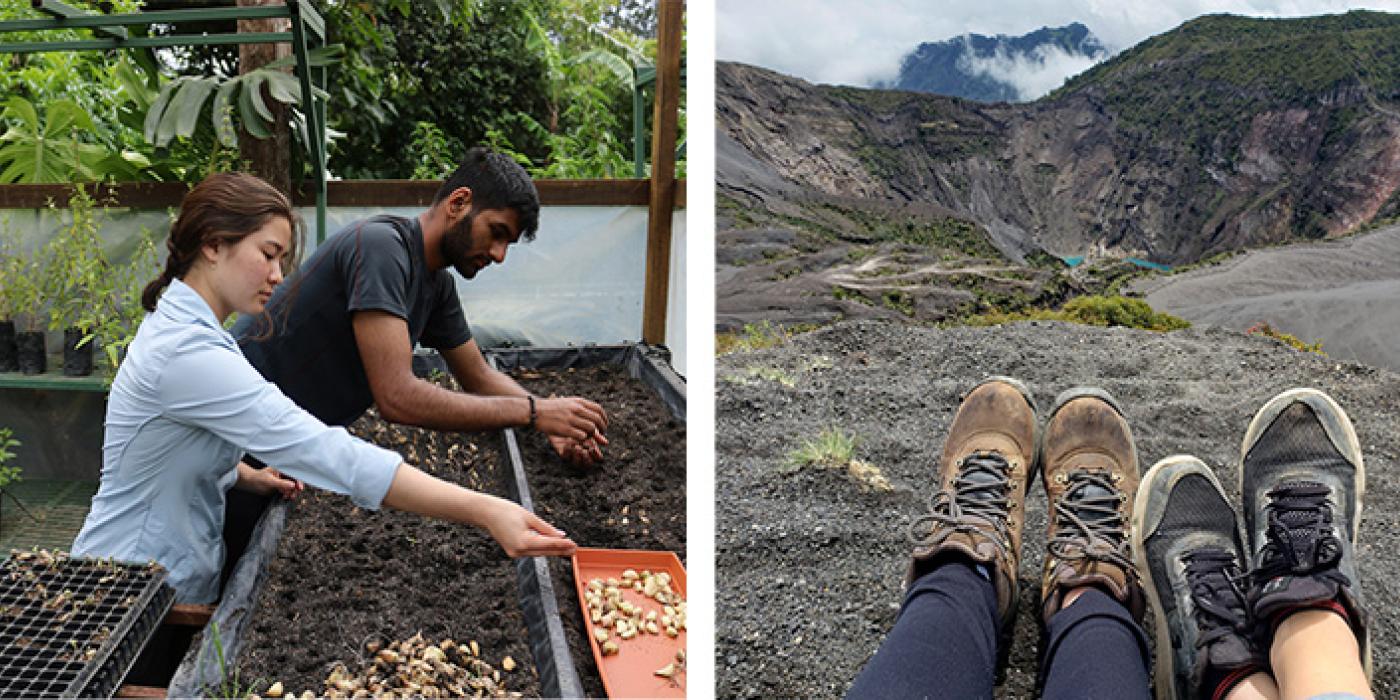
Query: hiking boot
[[1302, 480], [1091, 476], [1188, 547], [979, 509]]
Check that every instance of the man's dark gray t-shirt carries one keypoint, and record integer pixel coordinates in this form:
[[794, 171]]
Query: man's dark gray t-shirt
[[373, 265]]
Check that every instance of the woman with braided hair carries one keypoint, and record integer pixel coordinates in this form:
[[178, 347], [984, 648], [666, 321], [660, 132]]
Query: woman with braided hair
[[185, 406]]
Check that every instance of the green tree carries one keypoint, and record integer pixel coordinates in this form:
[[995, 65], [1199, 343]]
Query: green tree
[[404, 64]]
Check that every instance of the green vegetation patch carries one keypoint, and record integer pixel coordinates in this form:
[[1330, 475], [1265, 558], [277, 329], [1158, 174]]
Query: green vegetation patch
[[957, 235], [1093, 311], [1268, 331], [898, 300], [1203, 79], [757, 336]]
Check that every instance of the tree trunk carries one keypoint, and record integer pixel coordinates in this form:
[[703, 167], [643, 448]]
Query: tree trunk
[[268, 158]]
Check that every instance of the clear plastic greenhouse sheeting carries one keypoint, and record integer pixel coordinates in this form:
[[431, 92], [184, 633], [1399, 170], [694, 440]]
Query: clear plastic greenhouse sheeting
[[580, 281]]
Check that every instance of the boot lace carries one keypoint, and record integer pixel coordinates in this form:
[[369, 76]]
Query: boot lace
[[1214, 577], [1088, 524], [1300, 539], [979, 493]]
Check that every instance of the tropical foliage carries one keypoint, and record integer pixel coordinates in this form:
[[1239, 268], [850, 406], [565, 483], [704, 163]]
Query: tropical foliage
[[548, 80]]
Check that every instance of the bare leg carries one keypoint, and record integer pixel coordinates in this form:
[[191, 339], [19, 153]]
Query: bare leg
[[1259, 686], [1315, 652], [1073, 594]]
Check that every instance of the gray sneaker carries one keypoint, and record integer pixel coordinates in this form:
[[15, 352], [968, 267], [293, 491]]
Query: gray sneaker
[[1302, 481], [1188, 546]]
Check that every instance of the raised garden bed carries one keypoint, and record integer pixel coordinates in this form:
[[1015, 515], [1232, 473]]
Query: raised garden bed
[[346, 578], [386, 565], [636, 498]]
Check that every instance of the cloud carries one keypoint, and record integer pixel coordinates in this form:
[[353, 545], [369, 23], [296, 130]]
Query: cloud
[[826, 41], [822, 42], [1032, 75]]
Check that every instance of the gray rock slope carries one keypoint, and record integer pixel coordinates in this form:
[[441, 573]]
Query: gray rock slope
[[1345, 293]]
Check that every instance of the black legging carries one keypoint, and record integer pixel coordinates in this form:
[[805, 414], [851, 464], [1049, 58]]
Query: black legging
[[944, 645]]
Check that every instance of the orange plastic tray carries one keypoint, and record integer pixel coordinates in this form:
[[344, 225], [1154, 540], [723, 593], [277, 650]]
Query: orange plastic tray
[[630, 673]]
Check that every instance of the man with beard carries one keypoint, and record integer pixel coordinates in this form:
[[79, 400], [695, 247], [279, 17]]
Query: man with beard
[[338, 335]]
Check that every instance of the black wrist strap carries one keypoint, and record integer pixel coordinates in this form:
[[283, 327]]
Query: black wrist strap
[[533, 415]]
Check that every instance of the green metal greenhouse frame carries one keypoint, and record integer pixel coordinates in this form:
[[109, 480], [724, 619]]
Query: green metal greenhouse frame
[[308, 32]]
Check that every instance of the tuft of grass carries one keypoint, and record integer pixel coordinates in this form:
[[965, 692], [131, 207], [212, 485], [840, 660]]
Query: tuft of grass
[[230, 685], [1093, 311], [1263, 328], [831, 448], [834, 449]]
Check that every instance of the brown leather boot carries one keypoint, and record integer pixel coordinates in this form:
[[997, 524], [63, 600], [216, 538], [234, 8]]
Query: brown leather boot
[[978, 512], [1091, 476]]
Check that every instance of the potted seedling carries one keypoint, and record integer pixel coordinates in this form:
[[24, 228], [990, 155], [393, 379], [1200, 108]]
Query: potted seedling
[[11, 266], [28, 288], [118, 327], [82, 282]]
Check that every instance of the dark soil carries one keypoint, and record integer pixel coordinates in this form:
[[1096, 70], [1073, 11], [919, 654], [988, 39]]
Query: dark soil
[[809, 564], [345, 576], [634, 500]]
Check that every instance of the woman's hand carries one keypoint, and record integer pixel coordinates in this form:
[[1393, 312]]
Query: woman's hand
[[267, 482], [278, 483], [522, 534]]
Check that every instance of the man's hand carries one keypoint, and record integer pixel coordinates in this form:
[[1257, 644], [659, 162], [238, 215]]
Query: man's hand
[[522, 534], [570, 417], [580, 453]]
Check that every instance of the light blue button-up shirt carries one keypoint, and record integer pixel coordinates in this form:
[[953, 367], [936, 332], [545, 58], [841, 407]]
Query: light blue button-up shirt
[[184, 408]]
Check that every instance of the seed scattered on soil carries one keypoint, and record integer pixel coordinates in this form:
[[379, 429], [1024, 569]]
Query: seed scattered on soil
[[414, 668]]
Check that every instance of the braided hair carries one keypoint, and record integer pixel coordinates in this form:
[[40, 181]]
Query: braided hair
[[223, 209]]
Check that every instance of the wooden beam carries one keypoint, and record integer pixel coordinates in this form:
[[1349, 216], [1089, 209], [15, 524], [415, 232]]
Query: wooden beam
[[189, 615], [663, 170], [420, 193], [342, 193], [137, 195], [140, 691]]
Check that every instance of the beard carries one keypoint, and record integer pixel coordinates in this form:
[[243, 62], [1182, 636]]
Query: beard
[[457, 246]]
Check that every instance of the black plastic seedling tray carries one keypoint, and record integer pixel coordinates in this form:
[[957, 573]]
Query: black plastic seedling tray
[[74, 627], [549, 645]]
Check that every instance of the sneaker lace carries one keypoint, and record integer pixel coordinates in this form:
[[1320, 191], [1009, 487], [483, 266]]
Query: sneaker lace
[[1089, 525], [1300, 539], [981, 489], [1214, 577]]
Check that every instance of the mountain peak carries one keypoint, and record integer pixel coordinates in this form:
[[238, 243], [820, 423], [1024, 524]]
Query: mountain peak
[[1000, 68]]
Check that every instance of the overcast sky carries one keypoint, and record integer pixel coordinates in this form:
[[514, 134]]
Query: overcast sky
[[858, 43]]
